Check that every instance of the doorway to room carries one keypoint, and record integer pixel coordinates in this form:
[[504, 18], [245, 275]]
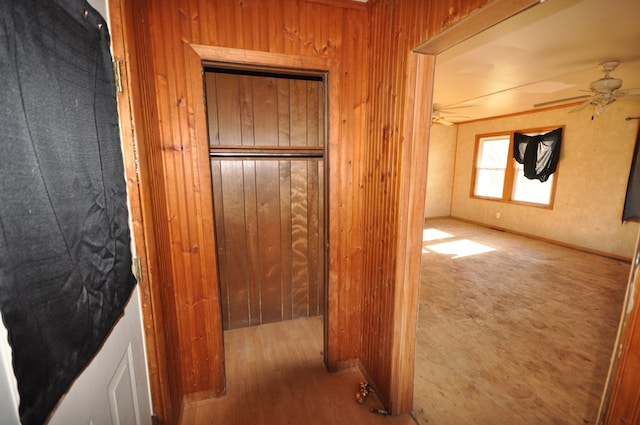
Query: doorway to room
[[267, 133]]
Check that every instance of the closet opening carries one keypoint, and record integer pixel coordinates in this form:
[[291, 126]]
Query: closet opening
[[267, 131]]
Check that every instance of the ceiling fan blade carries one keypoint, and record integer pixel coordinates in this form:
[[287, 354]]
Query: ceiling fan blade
[[440, 120], [442, 108], [627, 92], [565, 100], [581, 106], [632, 98]]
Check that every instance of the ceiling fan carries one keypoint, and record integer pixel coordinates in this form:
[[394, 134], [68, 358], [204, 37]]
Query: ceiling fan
[[437, 117], [605, 91]]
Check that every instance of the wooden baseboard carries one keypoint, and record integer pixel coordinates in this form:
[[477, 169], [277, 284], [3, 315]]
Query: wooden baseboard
[[540, 238]]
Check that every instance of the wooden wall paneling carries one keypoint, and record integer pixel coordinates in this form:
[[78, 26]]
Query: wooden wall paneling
[[298, 113], [314, 217], [212, 113], [228, 112], [169, 79], [221, 239], [234, 265], [286, 239], [270, 100], [345, 251], [312, 124], [185, 246], [413, 177], [265, 111], [409, 23], [251, 223], [269, 268], [284, 114], [299, 227]]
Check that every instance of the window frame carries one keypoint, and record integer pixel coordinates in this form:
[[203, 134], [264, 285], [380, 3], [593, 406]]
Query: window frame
[[510, 169]]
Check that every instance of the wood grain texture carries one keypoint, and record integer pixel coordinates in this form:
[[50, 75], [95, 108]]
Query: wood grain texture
[[396, 28], [366, 84], [202, 24], [267, 212], [273, 378], [269, 216], [130, 40]]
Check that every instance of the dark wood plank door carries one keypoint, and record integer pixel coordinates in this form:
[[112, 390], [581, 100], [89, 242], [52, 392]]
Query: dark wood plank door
[[266, 135]]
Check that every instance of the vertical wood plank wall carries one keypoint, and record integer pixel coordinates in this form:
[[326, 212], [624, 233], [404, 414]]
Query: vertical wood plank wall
[[370, 43], [184, 277], [268, 216], [269, 212], [397, 26]]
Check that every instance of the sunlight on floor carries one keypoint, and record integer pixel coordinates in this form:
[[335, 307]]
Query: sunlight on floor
[[433, 234], [458, 248]]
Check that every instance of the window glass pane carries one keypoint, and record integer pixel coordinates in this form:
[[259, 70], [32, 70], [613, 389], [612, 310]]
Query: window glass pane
[[493, 153], [534, 191], [489, 183]]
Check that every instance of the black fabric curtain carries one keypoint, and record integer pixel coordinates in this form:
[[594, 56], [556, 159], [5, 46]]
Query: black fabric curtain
[[632, 201], [539, 154], [65, 260]]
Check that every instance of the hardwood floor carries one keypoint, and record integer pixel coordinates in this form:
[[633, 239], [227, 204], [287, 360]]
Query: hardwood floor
[[276, 376], [510, 331], [519, 334]]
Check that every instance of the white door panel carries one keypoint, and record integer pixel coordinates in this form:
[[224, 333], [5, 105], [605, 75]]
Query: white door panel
[[123, 400], [8, 386], [113, 389]]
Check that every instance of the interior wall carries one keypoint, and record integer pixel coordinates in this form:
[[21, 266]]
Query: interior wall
[[396, 28], [363, 186], [592, 177], [440, 169], [184, 298]]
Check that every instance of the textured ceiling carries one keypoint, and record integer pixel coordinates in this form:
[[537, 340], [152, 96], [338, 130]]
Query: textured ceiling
[[548, 52]]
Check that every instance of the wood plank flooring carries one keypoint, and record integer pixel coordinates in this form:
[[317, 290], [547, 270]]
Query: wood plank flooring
[[276, 376], [520, 334]]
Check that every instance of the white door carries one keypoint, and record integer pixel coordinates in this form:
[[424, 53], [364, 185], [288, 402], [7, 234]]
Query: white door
[[114, 387], [112, 390]]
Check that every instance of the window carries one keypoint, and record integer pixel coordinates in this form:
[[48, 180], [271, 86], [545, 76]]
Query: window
[[493, 155], [498, 176]]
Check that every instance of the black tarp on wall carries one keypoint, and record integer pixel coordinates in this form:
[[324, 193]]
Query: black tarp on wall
[[632, 201], [65, 261]]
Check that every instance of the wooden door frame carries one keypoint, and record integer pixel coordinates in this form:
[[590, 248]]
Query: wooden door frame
[[616, 402], [142, 231], [199, 55], [413, 181]]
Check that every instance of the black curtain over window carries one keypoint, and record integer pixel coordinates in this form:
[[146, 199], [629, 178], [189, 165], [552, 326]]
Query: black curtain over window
[[65, 260], [539, 154], [632, 201]]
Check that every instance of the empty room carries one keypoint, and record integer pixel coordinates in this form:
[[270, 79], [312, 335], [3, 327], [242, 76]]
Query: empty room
[[319, 212]]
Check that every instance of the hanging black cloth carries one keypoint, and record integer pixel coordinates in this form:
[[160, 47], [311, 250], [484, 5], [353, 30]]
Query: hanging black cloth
[[632, 200], [65, 260], [539, 154]]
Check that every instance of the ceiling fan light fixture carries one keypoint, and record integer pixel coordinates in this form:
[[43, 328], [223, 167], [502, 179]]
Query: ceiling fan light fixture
[[606, 85]]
